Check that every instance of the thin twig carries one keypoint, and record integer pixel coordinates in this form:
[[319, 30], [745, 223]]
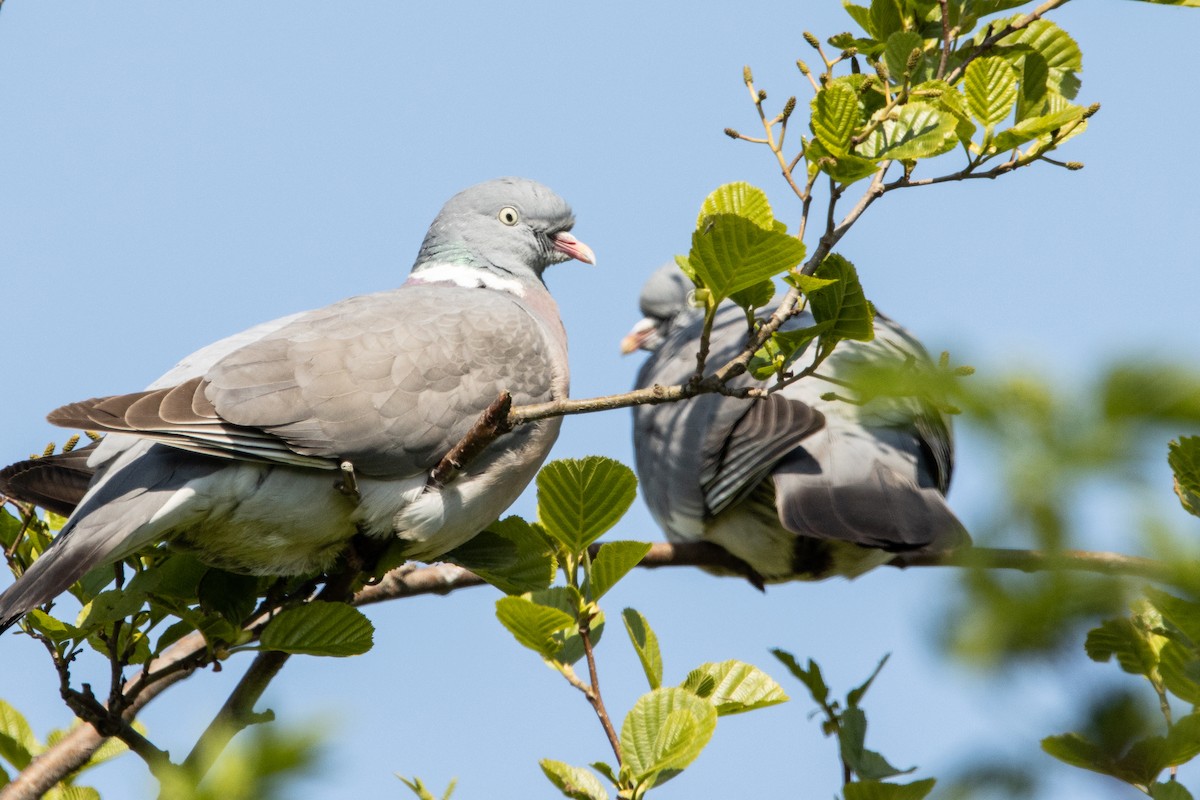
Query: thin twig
[[992, 39], [594, 697], [941, 71]]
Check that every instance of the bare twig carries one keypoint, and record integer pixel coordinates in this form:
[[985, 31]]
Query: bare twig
[[941, 71], [594, 697], [492, 423]]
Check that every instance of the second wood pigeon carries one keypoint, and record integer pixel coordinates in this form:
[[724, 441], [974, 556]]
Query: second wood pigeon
[[236, 453], [794, 486]]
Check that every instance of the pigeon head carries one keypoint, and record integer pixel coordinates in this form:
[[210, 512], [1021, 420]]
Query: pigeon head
[[499, 232], [665, 299]]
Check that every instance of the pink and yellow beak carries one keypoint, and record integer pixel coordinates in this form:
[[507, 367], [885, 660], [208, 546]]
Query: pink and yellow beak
[[638, 335]]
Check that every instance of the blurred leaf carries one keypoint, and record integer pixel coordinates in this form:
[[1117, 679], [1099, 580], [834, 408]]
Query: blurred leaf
[[319, 628], [737, 686], [533, 625], [1154, 392], [1184, 458], [1180, 671], [1123, 639], [1171, 790], [664, 731], [613, 561], [574, 782], [886, 18], [877, 790], [17, 742], [1183, 614], [64, 792], [580, 499], [261, 764], [645, 644], [419, 788]]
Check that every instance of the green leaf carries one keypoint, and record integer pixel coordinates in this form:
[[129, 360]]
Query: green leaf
[[319, 628], [877, 790], [52, 628], [568, 643], [856, 695], [613, 562], [886, 18], [1183, 740], [731, 253], [1180, 671], [991, 86], [533, 625], [108, 607], [64, 792], [419, 788], [899, 47], [867, 764], [580, 499], [511, 554], [835, 115], [17, 742], [842, 302], [1184, 458], [1029, 129], [574, 782], [845, 169], [1034, 76], [1183, 614], [743, 200], [783, 348], [860, 14], [1051, 42], [755, 296], [737, 687], [918, 130], [810, 677], [645, 643], [664, 731], [1172, 789], [1123, 639], [231, 595]]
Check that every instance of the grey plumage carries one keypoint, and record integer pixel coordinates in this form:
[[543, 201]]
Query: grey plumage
[[795, 486], [235, 452]]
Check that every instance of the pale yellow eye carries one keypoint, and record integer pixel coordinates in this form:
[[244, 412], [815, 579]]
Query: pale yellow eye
[[509, 216]]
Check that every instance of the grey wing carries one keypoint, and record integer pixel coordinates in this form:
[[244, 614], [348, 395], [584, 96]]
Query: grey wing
[[389, 382]]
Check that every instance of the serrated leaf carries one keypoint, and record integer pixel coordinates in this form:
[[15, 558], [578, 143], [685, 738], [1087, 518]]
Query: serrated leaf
[[1053, 43], [645, 644], [991, 87], [731, 253], [606, 770], [860, 14], [895, 55], [613, 561], [1030, 129], [741, 199], [580, 499], [1124, 640], [842, 302], [878, 790], [511, 554], [835, 115], [1034, 76], [810, 677], [574, 782], [319, 628], [737, 686], [17, 742], [1184, 458], [918, 130], [569, 644], [664, 731], [533, 625], [1183, 614], [1172, 789], [64, 792]]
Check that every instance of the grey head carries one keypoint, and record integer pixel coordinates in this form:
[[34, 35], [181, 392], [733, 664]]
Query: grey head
[[665, 302], [512, 228]]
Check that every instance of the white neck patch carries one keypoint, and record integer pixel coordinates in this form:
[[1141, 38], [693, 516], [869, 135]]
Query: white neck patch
[[467, 277]]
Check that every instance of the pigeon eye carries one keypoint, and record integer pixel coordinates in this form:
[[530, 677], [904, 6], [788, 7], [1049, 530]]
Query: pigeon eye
[[509, 216]]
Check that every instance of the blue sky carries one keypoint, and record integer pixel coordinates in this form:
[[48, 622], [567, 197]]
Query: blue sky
[[172, 173]]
